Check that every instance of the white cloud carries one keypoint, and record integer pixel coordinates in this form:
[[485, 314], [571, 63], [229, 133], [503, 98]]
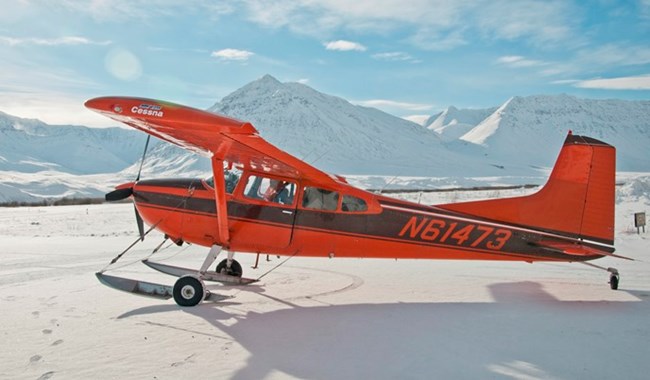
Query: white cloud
[[644, 5], [565, 81], [518, 61], [614, 54], [641, 82], [67, 40], [393, 56], [342, 45], [232, 54], [303, 81], [144, 10], [540, 22], [439, 40], [431, 24], [384, 104]]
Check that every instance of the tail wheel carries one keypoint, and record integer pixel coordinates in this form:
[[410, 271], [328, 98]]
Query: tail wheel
[[189, 291], [235, 268], [613, 281]]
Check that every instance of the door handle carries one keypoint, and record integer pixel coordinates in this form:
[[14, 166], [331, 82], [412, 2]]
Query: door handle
[[288, 212]]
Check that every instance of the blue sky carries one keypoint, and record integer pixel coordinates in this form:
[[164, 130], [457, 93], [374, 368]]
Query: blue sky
[[408, 58]]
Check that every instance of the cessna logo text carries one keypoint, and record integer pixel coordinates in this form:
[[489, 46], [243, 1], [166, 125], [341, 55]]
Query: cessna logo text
[[148, 110]]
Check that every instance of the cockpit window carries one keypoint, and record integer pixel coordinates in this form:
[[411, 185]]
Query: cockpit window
[[270, 190], [231, 177], [320, 199], [353, 204]]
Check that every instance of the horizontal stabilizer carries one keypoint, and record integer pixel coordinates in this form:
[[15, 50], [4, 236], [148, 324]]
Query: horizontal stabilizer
[[573, 249]]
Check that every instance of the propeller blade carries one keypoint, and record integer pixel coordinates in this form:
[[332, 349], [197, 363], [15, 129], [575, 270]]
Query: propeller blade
[[138, 220], [119, 194]]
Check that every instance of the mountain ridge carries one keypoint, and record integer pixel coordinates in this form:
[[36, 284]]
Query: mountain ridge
[[513, 141]]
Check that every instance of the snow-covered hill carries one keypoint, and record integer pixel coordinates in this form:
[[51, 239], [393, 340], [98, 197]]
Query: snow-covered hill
[[507, 145], [452, 123], [28, 145], [340, 137], [530, 128]]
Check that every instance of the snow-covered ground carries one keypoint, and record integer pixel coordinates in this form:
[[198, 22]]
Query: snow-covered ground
[[315, 318]]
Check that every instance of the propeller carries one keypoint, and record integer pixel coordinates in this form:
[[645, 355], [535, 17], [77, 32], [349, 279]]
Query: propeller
[[138, 220], [126, 190], [119, 194]]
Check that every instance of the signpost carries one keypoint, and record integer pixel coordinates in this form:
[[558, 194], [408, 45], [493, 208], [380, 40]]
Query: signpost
[[639, 221]]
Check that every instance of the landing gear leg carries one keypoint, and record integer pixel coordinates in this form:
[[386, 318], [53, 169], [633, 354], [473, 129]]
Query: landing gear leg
[[212, 256]]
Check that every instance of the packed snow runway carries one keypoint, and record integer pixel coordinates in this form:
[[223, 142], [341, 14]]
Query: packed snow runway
[[312, 318]]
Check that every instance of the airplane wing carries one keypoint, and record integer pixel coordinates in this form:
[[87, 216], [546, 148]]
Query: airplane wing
[[207, 134]]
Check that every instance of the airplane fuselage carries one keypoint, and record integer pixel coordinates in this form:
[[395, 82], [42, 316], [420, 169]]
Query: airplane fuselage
[[185, 209]]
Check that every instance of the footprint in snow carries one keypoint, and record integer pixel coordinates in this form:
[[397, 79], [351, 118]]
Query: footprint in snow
[[35, 358], [57, 342], [46, 375], [47, 331]]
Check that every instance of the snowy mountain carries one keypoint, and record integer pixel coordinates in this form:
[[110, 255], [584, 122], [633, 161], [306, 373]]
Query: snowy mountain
[[452, 123], [340, 137], [530, 128], [28, 145], [504, 145]]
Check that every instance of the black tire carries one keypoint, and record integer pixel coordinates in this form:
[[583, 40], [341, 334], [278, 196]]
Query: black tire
[[613, 282], [188, 291], [235, 268]]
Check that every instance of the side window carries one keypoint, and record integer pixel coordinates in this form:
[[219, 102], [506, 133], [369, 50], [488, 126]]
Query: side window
[[270, 190], [231, 178], [320, 199], [353, 204]]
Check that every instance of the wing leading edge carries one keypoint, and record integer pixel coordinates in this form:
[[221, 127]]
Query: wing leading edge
[[207, 134]]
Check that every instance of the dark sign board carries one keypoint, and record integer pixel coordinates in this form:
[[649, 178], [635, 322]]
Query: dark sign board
[[639, 219]]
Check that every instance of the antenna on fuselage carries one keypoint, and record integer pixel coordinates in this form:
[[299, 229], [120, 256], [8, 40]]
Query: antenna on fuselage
[[386, 185]]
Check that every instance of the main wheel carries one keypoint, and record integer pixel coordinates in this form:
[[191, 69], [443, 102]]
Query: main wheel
[[613, 282], [189, 291], [235, 268]]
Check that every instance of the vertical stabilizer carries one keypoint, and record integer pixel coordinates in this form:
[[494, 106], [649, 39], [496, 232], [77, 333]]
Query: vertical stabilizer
[[577, 200]]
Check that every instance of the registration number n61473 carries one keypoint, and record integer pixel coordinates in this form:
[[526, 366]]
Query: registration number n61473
[[455, 233]]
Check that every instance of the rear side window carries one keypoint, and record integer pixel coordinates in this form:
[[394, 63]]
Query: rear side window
[[320, 199], [353, 204]]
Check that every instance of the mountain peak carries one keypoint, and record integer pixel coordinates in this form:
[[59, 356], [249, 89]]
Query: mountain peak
[[267, 78], [343, 137]]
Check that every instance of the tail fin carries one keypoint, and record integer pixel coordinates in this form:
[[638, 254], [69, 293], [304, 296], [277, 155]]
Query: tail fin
[[577, 200]]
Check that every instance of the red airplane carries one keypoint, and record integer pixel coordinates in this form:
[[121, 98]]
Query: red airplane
[[263, 200]]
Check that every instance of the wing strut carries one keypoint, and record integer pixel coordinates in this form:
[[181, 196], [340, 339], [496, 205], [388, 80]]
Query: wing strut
[[220, 198]]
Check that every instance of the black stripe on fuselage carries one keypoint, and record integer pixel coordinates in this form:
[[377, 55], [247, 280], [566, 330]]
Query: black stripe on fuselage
[[385, 226], [178, 183]]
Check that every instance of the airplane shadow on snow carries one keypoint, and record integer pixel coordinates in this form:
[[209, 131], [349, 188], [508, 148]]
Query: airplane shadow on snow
[[524, 333]]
